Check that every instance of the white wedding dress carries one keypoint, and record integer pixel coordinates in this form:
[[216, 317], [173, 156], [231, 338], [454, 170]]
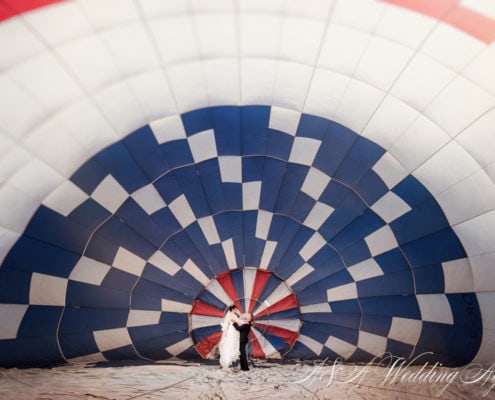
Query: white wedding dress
[[229, 343]]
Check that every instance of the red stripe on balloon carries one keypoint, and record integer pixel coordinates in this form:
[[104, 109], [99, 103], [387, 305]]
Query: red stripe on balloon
[[260, 281], [225, 280], [200, 308], [11, 8], [205, 346], [286, 303], [286, 335], [256, 349]]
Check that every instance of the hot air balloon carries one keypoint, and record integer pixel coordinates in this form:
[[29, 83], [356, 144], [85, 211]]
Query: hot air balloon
[[327, 167]]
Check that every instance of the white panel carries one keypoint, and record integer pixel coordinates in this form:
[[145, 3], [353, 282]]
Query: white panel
[[166, 32], [128, 262], [203, 145], [344, 292], [112, 339], [358, 105], [342, 49], [92, 75], [317, 9], [325, 93], [44, 74], [373, 344], [450, 165], [318, 215], [478, 138], [405, 330], [153, 8], [163, 262], [304, 150], [390, 207], [212, 5], [149, 199], [121, 108], [403, 26], [7, 240], [284, 120], [153, 93], [299, 274], [109, 12], [480, 70], [421, 81], [312, 246], [366, 19], [280, 292], [175, 306], [342, 348], [143, 318], [218, 291], [316, 308], [268, 251], [47, 290], [209, 229], [130, 47], [251, 192], [89, 271], [390, 120], [300, 39], [312, 344], [458, 276], [13, 158], [58, 23], [110, 194], [477, 234], [65, 198], [168, 129], [17, 42], [261, 5], [16, 208], [192, 269], [381, 241], [249, 276], [228, 249], [420, 142], [266, 346], [435, 308], [230, 168], [260, 34], [451, 46], [487, 8], [289, 324], [291, 85], [11, 316], [182, 211], [202, 321], [315, 183], [390, 170], [469, 198], [458, 105], [483, 271], [263, 223], [382, 62], [188, 85], [21, 112], [486, 352], [257, 80], [222, 82], [366, 269], [217, 34]]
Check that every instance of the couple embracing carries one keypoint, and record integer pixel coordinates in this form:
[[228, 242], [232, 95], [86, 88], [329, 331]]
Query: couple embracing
[[235, 336]]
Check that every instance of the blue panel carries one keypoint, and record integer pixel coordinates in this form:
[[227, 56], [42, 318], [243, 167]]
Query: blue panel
[[347, 320], [166, 221], [361, 157], [89, 296], [411, 191], [190, 184], [302, 207], [399, 349], [39, 351], [197, 121], [77, 344], [233, 196], [49, 226], [18, 293], [153, 274], [209, 174], [394, 283], [371, 187], [293, 180], [89, 175], [251, 256], [117, 160], [122, 353], [392, 261], [282, 230], [40, 321], [35, 256], [148, 291], [273, 175], [429, 279], [398, 306], [100, 249], [252, 169], [227, 125], [177, 153], [254, 126], [89, 214], [207, 297], [356, 253], [330, 266], [278, 144], [376, 325], [436, 248], [313, 127], [317, 293], [238, 282], [144, 148], [119, 280], [194, 241], [168, 187], [81, 320]]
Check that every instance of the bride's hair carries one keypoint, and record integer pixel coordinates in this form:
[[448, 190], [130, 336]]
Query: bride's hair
[[232, 307]]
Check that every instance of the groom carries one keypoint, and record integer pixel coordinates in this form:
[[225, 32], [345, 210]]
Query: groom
[[243, 339]]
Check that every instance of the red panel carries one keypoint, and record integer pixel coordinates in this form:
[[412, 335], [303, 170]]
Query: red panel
[[284, 334], [286, 303], [207, 344], [475, 24], [260, 280], [225, 281], [200, 308], [10, 8], [256, 348]]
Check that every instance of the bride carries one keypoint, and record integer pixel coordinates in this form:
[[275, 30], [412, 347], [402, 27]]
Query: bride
[[229, 343]]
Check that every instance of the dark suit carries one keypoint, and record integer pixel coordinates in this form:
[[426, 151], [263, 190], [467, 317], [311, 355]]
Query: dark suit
[[243, 340]]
